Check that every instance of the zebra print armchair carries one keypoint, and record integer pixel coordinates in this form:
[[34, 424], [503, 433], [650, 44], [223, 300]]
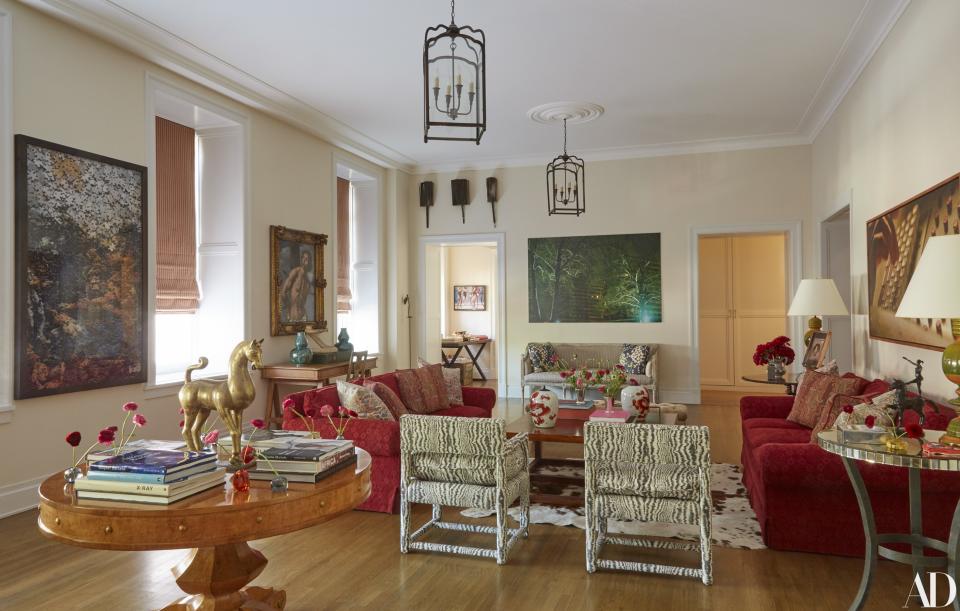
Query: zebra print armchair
[[649, 472], [462, 462]]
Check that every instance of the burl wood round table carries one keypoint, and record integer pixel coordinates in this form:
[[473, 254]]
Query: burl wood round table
[[217, 523]]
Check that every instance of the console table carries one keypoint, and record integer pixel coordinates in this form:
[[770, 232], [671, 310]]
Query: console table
[[913, 460], [313, 375], [218, 523], [461, 346]]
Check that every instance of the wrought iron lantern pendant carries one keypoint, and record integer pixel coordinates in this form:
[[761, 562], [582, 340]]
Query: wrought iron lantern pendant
[[566, 182], [454, 82]]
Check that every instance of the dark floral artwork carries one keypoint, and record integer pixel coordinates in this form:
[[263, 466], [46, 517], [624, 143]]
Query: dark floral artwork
[[601, 278], [81, 301]]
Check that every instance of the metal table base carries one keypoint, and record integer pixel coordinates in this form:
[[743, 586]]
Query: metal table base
[[876, 543]]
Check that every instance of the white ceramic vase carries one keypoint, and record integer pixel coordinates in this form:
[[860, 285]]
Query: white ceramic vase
[[544, 409], [636, 399]]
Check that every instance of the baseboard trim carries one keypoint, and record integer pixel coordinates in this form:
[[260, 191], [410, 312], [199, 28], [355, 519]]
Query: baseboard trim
[[19, 497], [680, 395]]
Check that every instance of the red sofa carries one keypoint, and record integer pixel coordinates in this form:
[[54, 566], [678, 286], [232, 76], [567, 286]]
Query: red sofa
[[802, 496], [381, 438]]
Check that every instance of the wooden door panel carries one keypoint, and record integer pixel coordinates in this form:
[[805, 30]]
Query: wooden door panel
[[714, 288], [759, 275], [716, 343], [747, 333]]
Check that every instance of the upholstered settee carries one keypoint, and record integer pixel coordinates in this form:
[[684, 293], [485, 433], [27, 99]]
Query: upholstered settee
[[803, 497], [591, 356], [381, 438]]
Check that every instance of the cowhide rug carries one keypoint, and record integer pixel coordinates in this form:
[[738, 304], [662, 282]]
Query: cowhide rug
[[734, 523]]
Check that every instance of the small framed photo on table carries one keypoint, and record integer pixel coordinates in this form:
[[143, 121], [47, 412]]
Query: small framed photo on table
[[817, 349]]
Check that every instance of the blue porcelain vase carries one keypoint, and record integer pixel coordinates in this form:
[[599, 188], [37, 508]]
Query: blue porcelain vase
[[301, 353]]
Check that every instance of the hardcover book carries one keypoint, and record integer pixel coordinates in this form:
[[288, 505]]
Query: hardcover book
[[150, 478], [151, 489], [310, 478], [602, 415], [153, 461]]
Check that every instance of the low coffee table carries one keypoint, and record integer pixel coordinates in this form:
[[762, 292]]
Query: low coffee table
[[567, 430]]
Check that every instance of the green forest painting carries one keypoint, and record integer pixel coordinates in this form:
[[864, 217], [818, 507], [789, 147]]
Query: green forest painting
[[601, 278]]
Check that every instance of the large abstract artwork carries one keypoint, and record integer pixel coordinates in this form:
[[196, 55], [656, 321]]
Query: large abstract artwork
[[895, 240], [80, 270], [296, 280], [603, 278]]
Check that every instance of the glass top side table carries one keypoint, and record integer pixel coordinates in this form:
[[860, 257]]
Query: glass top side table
[[789, 380], [913, 460]]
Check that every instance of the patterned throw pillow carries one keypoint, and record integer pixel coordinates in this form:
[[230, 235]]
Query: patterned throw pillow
[[363, 401], [813, 393], [451, 382], [543, 357], [423, 390], [634, 358], [832, 409], [390, 398], [879, 407]]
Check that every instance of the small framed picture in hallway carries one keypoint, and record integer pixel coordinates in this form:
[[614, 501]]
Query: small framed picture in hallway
[[470, 297]]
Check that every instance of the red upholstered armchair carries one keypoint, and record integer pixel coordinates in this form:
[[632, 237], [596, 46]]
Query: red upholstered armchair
[[803, 498], [381, 438]]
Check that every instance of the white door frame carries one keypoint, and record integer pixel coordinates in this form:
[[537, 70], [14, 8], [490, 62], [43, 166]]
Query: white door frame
[[794, 256], [843, 210], [501, 322]]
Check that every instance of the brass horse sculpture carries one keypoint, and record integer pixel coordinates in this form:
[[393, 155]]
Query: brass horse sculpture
[[229, 397]]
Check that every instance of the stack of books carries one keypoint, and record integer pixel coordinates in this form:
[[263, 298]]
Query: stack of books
[[301, 459], [150, 476]]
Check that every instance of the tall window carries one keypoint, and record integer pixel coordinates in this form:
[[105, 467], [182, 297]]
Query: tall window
[[199, 307], [358, 260]]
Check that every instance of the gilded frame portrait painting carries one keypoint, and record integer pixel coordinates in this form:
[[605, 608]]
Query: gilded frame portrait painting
[[296, 280], [81, 267]]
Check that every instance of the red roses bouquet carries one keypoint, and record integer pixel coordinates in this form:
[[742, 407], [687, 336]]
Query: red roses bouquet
[[777, 348]]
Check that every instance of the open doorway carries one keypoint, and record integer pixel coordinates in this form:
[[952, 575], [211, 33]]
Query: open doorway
[[742, 299], [835, 264], [463, 306]]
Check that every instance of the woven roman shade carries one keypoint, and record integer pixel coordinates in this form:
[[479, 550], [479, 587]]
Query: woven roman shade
[[343, 245], [177, 289]]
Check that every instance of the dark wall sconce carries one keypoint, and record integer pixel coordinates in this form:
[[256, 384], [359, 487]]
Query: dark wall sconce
[[460, 190], [492, 196], [426, 198]]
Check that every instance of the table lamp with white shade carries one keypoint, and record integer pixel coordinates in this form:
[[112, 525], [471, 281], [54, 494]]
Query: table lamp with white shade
[[934, 292], [816, 297]]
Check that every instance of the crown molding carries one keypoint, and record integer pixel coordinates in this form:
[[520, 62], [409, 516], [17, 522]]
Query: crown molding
[[145, 39], [618, 153], [115, 24], [871, 28]]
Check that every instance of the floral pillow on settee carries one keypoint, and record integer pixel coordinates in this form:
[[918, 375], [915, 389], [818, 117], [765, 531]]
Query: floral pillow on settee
[[634, 358], [543, 357]]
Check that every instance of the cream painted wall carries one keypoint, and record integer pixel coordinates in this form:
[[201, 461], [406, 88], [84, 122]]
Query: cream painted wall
[[894, 135], [669, 195], [473, 265], [77, 90]]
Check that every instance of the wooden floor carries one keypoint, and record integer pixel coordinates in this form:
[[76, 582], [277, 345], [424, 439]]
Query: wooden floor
[[354, 563]]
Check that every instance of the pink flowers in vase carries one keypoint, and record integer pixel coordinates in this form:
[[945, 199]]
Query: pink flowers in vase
[[343, 418], [114, 436], [307, 414]]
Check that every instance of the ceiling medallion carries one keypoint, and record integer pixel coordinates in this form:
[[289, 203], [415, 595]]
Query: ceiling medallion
[[454, 59], [566, 174]]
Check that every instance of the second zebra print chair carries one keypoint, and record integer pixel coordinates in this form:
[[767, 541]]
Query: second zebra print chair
[[462, 462], [648, 472]]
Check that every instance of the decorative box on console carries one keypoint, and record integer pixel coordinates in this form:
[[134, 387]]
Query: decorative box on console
[[861, 433]]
